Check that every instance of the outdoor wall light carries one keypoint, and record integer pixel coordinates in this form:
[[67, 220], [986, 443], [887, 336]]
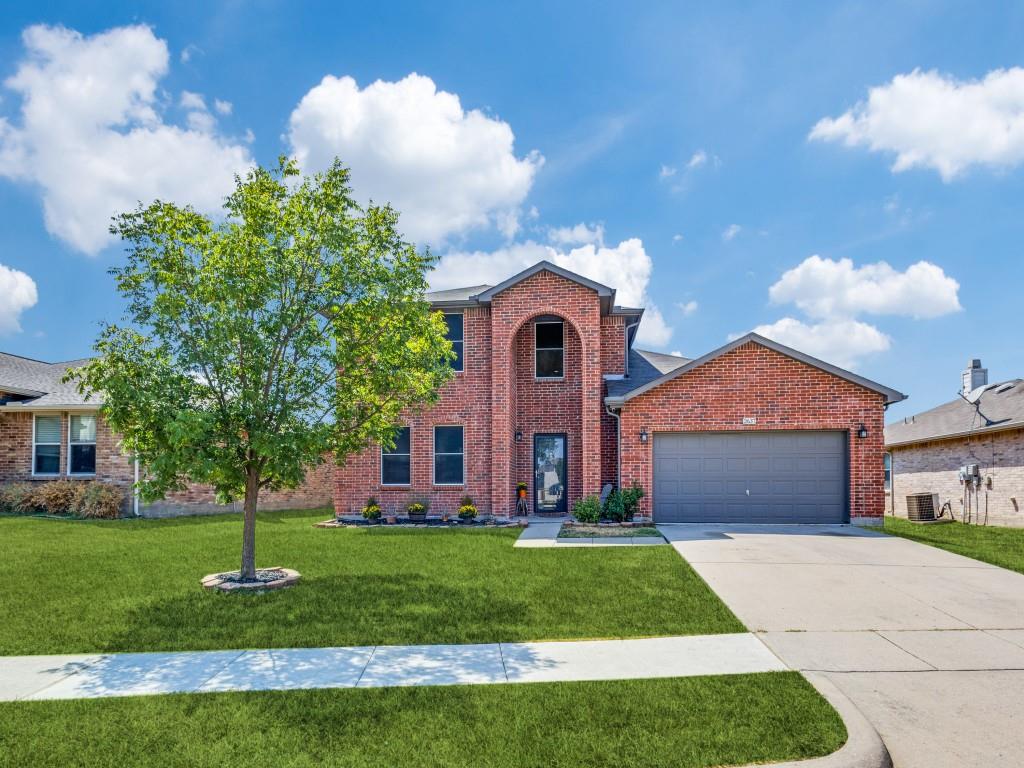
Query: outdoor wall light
[[643, 435], [862, 431], [519, 437]]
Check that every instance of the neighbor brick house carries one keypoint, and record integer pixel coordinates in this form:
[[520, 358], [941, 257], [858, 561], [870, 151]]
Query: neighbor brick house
[[969, 452], [48, 431], [549, 390]]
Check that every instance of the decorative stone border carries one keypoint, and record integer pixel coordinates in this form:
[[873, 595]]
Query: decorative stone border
[[223, 583]]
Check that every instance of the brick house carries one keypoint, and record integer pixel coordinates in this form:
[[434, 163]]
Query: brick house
[[550, 390], [981, 432], [48, 431]]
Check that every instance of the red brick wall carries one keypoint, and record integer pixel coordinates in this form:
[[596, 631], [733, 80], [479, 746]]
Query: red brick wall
[[465, 400], [613, 344], [781, 393]]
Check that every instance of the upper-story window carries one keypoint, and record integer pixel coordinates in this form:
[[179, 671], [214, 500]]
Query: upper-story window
[[550, 349], [82, 445], [887, 462], [46, 445], [454, 321]]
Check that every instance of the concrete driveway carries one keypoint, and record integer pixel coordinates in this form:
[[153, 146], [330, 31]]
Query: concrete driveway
[[928, 644]]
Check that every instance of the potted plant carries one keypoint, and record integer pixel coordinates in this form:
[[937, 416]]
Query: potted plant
[[417, 511], [521, 490], [371, 512], [467, 510]]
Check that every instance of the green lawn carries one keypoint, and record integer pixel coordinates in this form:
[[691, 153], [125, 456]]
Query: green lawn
[[999, 546], [133, 585], [700, 721]]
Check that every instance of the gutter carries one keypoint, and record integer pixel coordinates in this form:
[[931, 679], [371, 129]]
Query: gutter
[[135, 489], [957, 435]]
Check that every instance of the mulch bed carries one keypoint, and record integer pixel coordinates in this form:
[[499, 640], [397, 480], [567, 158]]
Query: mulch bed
[[430, 522]]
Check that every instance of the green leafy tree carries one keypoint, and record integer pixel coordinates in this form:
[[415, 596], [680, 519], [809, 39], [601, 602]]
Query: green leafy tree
[[256, 346]]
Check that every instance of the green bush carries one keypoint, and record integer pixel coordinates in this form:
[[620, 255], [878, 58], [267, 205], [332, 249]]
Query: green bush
[[614, 507], [631, 500], [587, 510]]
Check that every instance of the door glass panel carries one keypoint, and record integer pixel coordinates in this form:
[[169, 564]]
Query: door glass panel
[[549, 473]]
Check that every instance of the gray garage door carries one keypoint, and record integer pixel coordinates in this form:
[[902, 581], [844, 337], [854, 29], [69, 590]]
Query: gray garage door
[[750, 477]]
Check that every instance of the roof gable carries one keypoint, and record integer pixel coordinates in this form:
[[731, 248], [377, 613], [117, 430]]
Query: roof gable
[[891, 395], [606, 294]]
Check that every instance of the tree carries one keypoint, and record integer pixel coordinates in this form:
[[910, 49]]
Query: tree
[[255, 346]]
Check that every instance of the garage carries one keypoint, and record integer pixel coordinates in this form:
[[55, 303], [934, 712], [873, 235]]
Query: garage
[[751, 477]]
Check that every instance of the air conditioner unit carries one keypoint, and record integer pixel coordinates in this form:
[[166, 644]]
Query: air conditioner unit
[[922, 507]]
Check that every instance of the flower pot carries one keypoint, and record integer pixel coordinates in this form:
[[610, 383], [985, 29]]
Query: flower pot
[[522, 493], [392, 519]]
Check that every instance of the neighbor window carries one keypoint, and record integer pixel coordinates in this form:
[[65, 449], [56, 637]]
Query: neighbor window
[[887, 463], [550, 347], [394, 463], [455, 330], [46, 447], [449, 456], [82, 445]]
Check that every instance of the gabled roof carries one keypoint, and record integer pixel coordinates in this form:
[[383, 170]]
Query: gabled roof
[[644, 367], [39, 384], [996, 407], [603, 291], [891, 395], [455, 297]]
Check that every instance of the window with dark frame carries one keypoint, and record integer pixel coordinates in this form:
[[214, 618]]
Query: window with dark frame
[[46, 445], [449, 456], [887, 462], [550, 349], [396, 462], [454, 321], [82, 445]]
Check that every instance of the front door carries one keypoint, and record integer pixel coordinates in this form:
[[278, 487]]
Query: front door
[[549, 474]]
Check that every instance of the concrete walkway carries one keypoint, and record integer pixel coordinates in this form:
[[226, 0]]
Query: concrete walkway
[[545, 534], [929, 645], [131, 674]]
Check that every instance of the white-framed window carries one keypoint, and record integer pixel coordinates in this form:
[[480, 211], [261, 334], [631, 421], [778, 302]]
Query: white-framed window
[[449, 455], [46, 444], [396, 463], [549, 343], [82, 444], [456, 335], [887, 463]]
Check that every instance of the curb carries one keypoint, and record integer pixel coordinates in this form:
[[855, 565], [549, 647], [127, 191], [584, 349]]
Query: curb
[[863, 748]]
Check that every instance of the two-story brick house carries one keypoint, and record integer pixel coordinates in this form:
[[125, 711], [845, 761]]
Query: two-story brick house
[[549, 390]]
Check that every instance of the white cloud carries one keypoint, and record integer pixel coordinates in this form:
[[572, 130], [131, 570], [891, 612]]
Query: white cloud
[[730, 232], [222, 107], [625, 267], [445, 169], [17, 293], [677, 353], [676, 238], [190, 100], [667, 172], [93, 139], [581, 234], [687, 307], [929, 120], [841, 342], [824, 288], [699, 158], [188, 52]]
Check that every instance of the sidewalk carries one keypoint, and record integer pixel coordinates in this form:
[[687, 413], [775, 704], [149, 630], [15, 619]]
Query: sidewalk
[[131, 674]]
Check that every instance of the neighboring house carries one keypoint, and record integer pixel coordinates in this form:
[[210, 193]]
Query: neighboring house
[[984, 428], [48, 431], [550, 390]]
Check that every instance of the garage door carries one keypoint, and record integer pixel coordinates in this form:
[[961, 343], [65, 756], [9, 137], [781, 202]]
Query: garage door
[[750, 477]]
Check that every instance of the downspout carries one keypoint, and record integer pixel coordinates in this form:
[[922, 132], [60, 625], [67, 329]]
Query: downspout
[[618, 447], [135, 489]]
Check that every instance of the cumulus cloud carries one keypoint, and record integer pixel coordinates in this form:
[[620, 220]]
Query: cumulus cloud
[[667, 172], [841, 342], [581, 234], [446, 169], [697, 159], [730, 232], [929, 120], [825, 288], [17, 293], [92, 136], [687, 307], [625, 267]]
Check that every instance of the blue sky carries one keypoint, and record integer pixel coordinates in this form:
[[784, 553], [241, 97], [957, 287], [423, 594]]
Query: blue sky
[[718, 164]]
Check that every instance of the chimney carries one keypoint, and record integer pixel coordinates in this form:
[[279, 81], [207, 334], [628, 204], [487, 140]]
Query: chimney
[[973, 377]]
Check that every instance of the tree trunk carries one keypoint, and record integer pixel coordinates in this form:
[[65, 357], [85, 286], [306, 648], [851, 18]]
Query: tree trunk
[[252, 490]]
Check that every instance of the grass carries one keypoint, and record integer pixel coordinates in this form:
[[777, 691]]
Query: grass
[[684, 722], [581, 531], [133, 585], [999, 546]]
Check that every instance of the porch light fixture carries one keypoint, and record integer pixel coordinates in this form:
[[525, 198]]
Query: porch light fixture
[[643, 435], [862, 431], [519, 437]]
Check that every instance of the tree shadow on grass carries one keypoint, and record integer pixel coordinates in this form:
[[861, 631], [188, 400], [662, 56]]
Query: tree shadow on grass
[[340, 610]]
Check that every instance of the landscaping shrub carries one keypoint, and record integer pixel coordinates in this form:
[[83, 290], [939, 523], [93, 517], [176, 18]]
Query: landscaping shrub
[[614, 507], [63, 497], [58, 497], [631, 500], [587, 510], [16, 498], [101, 500]]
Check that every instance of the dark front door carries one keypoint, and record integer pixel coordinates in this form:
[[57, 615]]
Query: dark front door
[[549, 473]]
